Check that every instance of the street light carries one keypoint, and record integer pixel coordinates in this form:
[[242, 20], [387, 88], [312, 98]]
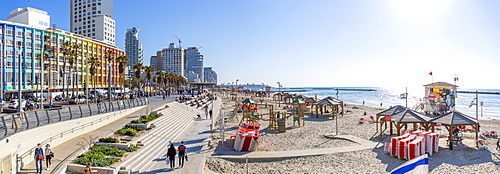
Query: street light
[[237, 90], [279, 90], [19, 79], [1, 76]]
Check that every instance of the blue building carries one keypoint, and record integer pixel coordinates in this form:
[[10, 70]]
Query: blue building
[[194, 65]]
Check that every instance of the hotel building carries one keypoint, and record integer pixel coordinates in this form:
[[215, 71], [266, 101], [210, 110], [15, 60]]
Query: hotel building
[[92, 18]]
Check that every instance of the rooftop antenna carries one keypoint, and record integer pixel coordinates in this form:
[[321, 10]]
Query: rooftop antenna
[[180, 42]]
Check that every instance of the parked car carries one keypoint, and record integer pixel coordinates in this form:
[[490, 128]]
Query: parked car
[[58, 98], [14, 103], [77, 100]]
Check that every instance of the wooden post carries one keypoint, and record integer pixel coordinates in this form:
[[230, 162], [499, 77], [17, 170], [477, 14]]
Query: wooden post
[[477, 135]]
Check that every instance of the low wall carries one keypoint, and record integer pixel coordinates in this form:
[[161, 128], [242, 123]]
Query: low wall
[[25, 141]]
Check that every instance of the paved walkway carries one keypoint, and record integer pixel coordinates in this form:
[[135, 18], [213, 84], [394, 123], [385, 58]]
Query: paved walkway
[[363, 144], [64, 153], [195, 138]]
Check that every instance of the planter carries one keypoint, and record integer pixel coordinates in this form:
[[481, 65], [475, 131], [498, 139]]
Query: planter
[[143, 126], [120, 146], [77, 168]]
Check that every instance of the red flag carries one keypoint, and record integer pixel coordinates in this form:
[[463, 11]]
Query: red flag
[[430, 73]]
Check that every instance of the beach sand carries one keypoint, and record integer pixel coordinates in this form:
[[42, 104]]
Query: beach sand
[[464, 158]]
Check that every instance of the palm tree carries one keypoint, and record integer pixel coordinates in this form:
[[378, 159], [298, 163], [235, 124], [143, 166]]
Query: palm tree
[[66, 52], [122, 63], [137, 73], [149, 74], [159, 79], [110, 57], [73, 64], [93, 62]]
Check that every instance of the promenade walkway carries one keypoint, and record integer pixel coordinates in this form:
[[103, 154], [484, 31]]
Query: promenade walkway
[[66, 152]]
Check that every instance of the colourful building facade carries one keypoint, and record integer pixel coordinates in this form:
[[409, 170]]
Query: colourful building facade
[[42, 60]]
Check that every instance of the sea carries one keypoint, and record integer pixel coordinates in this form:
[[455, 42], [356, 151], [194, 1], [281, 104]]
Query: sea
[[374, 96]]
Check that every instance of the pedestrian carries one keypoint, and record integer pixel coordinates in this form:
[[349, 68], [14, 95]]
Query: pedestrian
[[164, 95], [48, 156], [363, 103], [171, 152], [39, 158], [498, 144], [182, 154], [380, 104], [99, 104], [210, 112]]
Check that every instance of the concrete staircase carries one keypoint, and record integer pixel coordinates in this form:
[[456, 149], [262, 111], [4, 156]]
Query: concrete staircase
[[171, 127]]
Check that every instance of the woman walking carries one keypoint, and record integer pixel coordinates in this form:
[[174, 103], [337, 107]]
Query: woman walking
[[171, 156], [48, 156], [39, 158]]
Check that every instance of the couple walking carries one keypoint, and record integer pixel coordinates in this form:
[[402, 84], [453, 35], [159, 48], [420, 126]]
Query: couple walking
[[172, 152], [43, 155]]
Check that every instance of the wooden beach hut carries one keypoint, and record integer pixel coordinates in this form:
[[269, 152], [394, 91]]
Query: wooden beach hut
[[452, 121], [298, 112], [388, 112]]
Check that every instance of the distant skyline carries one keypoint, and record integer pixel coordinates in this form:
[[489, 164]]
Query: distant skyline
[[361, 43]]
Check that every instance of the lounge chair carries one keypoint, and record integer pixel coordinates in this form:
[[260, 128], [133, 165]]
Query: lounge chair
[[373, 119], [361, 120]]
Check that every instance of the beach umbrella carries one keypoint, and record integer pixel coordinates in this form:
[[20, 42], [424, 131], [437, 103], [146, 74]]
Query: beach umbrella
[[248, 101]]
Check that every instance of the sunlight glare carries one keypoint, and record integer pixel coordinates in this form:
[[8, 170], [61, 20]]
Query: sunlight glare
[[419, 10]]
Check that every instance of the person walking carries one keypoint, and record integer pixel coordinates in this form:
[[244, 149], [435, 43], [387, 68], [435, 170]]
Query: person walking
[[182, 154], [498, 144], [210, 113], [39, 158], [99, 104], [164, 95], [48, 156], [171, 152]]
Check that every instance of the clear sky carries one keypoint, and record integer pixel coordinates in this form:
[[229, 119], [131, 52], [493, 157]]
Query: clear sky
[[317, 43]]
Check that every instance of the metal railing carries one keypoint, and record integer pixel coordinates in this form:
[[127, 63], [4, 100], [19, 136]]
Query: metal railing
[[15, 122]]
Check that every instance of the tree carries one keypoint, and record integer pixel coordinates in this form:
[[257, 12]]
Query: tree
[[93, 62], [66, 52], [110, 57], [149, 75], [122, 63], [137, 73], [159, 79], [73, 64]]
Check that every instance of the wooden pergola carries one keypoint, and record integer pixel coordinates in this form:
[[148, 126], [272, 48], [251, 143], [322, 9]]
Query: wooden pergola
[[391, 111], [329, 101], [410, 117], [452, 121]]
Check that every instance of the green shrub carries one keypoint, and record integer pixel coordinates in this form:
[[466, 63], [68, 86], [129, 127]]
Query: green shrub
[[134, 127], [132, 148], [108, 140], [126, 131], [145, 119], [107, 151]]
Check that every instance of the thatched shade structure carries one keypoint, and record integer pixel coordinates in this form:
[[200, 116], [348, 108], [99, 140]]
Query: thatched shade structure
[[329, 101], [391, 111], [453, 120], [310, 100], [289, 98], [409, 116]]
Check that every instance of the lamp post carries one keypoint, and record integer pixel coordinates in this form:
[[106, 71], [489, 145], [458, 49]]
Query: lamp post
[[279, 89], [1, 76], [19, 79], [237, 90]]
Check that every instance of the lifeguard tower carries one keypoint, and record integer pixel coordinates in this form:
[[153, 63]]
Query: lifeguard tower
[[439, 97], [299, 108]]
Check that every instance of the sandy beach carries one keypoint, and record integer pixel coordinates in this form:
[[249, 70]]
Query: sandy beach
[[465, 158]]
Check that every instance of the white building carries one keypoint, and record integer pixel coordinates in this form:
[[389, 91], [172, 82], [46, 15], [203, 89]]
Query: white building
[[133, 47], [194, 63], [172, 60], [92, 18], [30, 16], [210, 76]]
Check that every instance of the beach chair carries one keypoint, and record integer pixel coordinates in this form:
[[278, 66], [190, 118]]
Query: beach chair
[[373, 119], [493, 134], [387, 147], [361, 120], [438, 126]]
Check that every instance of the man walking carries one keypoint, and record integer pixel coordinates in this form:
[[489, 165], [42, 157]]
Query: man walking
[[210, 113], [182, 154]]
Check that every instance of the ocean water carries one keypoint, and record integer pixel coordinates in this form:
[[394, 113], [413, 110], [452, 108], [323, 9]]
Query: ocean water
[[391, 97]]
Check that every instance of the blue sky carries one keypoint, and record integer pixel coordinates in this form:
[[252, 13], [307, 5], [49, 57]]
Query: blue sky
[[317, 43]]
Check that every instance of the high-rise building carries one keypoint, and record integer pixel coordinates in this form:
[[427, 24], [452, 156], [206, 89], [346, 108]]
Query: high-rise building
[[172, 60], [133, 47], [30, 16], [27, 43], [152, 62], [194, 64], [92, 18], [210, 75]]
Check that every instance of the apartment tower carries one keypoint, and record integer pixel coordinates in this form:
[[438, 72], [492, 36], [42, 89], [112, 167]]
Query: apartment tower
[[92, 18]]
